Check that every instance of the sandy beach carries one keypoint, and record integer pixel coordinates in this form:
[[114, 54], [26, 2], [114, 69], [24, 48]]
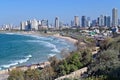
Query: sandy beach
[[67, 38]]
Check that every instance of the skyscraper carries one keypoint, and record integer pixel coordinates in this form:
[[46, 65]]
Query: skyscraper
[[101, 20], [72, 23], [105, 20], [119, 22], [76, 21], [83, 21], [114, 17], [22, 26], [57, 23], [34, 24], [108, 21], [88, 23]]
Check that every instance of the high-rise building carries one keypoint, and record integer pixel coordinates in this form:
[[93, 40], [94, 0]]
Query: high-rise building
[[108, 21], [34, 24], [114, 17], [23, 25], [88, 23], [57, 23], [44, 22], [94, 23], [101, 21], [76, 21], [72, 23], [83, 21], [119, 22], [105, 20], [28, 26]]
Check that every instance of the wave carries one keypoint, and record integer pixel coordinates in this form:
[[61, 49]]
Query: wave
[[9, 33], [47, 44], [9, 65], [29, 56], [51, 55], [55, 50], [23, 60], [53, 46], [13, 63], [42, 38]]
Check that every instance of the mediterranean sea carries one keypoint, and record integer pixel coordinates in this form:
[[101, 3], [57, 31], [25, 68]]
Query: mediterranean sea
[[19, 49]]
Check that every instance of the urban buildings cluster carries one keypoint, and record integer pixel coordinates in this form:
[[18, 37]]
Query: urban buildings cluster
[[34, 25], [101, 21]]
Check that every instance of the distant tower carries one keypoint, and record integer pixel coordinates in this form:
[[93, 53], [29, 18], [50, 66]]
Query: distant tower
[[23, 25], [119, 22], [88, 22], [83, 21], [72, 23], [108, 21], [34, 24], [101, 21], [76, 21], [114, 17], [105, 20], [57, 23]]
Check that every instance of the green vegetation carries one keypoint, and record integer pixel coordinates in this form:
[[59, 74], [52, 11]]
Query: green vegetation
[[106, 66], [72, 62]]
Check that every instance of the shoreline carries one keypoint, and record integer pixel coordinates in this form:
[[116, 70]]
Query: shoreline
[[57, 35], [74, 41], [39, 65]]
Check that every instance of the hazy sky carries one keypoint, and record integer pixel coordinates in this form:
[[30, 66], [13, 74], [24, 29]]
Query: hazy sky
[[14, 11]]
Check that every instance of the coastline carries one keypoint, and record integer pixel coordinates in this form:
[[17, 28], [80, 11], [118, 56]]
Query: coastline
[[74, 41], [39, 65], [57, 35]]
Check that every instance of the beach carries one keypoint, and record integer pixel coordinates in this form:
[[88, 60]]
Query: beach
[[67, 38], [4, 73]]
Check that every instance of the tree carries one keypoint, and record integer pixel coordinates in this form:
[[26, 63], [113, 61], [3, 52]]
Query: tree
[[47, 73], [16, 75], [32, 74], [107, 62], [86, 56]]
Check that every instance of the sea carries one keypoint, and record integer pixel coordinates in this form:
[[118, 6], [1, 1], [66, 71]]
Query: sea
[[19, 49]]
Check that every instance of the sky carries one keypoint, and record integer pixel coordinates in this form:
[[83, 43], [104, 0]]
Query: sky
[[15, 11]]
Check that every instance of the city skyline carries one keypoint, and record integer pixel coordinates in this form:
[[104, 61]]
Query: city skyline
[[13, 12]]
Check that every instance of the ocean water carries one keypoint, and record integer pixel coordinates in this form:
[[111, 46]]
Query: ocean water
[[17, 49]]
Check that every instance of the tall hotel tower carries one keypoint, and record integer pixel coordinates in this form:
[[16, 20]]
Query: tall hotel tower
[[114, 17]]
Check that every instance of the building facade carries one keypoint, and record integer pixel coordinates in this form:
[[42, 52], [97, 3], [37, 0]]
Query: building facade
[[76, 21], [57, 23], [83, 21], [114, 17]]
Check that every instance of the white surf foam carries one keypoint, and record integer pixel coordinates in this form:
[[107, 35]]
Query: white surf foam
[[13, 63], [29, 56], [51, 55], [0, 68], [55, 50], [23, 60], [47, 44], [9, 65], [10, 33]]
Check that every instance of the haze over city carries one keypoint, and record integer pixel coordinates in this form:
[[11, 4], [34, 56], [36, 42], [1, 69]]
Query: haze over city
[[14, 11]]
